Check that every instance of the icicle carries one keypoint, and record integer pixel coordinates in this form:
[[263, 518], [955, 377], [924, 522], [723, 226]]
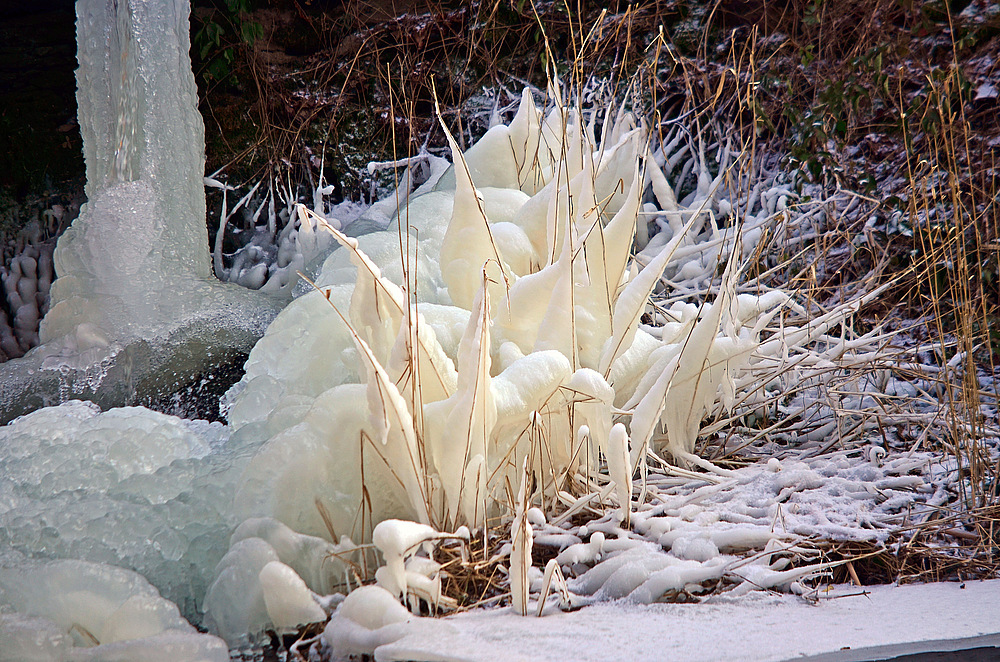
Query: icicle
[[620, 469], [468, 243], [632, 301], [520, 555], [458, 428]]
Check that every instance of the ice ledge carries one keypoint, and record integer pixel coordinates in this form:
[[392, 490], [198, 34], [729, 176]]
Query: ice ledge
[[984, 648], [119, 368]]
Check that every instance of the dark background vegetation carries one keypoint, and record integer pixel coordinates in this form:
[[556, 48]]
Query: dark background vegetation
[[290, 80], [40, 145], [286, 82]]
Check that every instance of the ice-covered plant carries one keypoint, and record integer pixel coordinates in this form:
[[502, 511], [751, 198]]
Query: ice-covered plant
[[510, 343], [282, 240]]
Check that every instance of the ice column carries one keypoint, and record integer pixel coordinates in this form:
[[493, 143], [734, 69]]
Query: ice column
[[144, 224], [134, 283]]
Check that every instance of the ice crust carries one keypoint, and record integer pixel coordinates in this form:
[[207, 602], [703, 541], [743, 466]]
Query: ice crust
[[695, 531], [74, 611], [128, 487]]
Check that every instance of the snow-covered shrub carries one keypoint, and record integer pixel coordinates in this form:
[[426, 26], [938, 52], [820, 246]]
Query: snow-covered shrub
[[281, 240], [277, 241]]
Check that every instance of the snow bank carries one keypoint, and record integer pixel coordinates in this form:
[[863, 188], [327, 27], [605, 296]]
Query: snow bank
[[845, 624]]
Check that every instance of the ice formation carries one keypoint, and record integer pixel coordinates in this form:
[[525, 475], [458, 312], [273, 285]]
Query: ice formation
[[288, 600], [73, 611], [134, 307], [429, 377], [368, 618], [26, 283], [409, 387], [434, 366], [398, 541], [236, 602], [128, 487]]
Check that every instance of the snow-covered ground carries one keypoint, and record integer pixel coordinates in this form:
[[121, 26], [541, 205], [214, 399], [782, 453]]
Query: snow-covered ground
[[845, 623]]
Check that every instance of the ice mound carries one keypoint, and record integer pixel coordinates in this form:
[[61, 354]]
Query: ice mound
[[368, 618], [76, 611], [133, 269], [237, 606], [129, 487], [289, 601]]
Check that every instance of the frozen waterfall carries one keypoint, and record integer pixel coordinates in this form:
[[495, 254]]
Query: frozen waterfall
[[135, 308]]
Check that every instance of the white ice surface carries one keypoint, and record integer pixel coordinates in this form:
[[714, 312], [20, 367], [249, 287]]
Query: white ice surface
[[875, 622], [128, 487], [74, 611], [289, 602]]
